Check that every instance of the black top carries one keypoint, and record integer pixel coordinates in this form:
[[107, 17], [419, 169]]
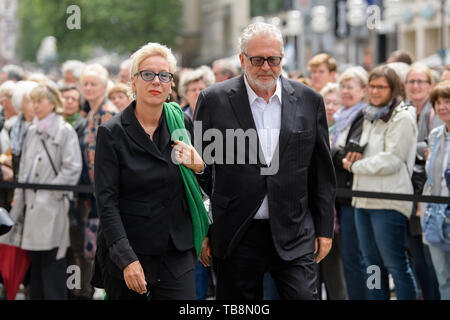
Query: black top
[[300, 190], [140, 195]]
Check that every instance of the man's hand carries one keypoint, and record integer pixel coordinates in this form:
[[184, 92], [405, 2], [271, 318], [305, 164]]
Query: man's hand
[[324, 246], [135, 278], [205, 254]]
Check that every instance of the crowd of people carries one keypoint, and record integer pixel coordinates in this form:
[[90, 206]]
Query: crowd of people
[[388, 129]]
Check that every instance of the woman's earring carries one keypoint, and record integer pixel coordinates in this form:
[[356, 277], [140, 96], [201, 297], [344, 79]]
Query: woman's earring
[[168, 98], [134, 95]]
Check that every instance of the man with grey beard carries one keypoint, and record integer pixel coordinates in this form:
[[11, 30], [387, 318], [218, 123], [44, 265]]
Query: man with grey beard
[[274, 214]]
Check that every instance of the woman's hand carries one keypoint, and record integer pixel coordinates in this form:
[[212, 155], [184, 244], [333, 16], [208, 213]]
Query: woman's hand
[[135, 278], [205, 254], [350, 158], [188, 156]]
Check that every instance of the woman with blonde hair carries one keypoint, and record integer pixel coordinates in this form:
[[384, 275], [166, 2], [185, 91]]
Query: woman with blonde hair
[[152, 216], [51, 155]]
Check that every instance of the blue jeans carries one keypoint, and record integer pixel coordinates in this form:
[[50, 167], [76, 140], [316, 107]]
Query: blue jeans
[[423, 267], [441, 263], [354, 269], [201, 280], [270, 289], [382, 237]]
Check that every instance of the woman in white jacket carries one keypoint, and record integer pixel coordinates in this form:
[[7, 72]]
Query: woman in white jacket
[[45, 212], [390, 135]]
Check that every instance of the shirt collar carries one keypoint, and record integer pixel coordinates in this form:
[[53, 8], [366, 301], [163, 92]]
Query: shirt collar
[[252, 96]]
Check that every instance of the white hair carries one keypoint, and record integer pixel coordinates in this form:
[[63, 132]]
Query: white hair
[[203, 73], [22, 90], [400, 68], [356, 72], [259, 29], [329, 88], [7, 88], [96, 70], [74, 66]]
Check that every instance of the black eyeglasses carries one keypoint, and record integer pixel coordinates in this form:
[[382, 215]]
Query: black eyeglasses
[[258, 61], [148, 75]]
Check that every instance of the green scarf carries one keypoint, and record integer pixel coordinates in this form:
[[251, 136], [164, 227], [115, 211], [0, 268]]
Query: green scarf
[[200, 220], [73, 119]]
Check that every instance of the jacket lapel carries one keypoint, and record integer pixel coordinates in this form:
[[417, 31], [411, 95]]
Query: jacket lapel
[[288, 110], [137, 133]]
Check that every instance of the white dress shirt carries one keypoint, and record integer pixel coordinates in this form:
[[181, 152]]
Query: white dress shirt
[[267, 117]]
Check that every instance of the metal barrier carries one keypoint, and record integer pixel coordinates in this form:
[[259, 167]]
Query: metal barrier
[[339, 192]]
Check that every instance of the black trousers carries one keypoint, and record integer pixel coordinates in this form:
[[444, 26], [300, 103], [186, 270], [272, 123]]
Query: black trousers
[[48, 277], [241, 275], [169, 277]]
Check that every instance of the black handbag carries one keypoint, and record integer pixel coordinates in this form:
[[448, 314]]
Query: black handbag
[[74, 217], [6, 223]]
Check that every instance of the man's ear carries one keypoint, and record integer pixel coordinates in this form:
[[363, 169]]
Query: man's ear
[[242, 60]]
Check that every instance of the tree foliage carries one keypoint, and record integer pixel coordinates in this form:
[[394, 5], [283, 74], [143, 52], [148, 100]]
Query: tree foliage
[[116, 25]]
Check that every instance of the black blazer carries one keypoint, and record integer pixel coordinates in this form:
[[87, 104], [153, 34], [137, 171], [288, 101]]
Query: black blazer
[[139, 191], [344, 178], [301, 193]]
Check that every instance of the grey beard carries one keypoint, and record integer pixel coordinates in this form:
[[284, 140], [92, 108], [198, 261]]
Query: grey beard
[[261, 86]]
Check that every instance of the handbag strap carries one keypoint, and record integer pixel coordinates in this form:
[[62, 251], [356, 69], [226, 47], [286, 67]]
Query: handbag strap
[[49, 158]]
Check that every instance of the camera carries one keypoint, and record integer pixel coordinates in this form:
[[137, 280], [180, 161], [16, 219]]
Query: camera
[[354, 146]]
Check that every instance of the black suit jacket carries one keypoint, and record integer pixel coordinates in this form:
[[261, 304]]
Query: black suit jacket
[[139, 191], [302, 191]]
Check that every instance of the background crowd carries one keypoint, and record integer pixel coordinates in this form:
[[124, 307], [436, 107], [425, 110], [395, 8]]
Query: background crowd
[[389, 132]]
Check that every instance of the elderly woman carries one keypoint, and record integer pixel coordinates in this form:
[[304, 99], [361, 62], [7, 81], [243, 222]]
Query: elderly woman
[[192, 82], [118, 94], [418, 86], [349, 119], [150, 231], [94, 84], [51, 155], [22, 102], [72, 99], [332, 101], [389, 135], [437, 163]]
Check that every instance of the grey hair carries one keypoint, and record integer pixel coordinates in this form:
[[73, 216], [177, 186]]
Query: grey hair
[[203, 73], [356, 72], [22, 89], [74, 66], [259, 29], [13, 72], [227, 68]]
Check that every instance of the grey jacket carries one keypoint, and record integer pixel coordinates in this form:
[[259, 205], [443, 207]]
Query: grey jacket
[[46, 222]]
